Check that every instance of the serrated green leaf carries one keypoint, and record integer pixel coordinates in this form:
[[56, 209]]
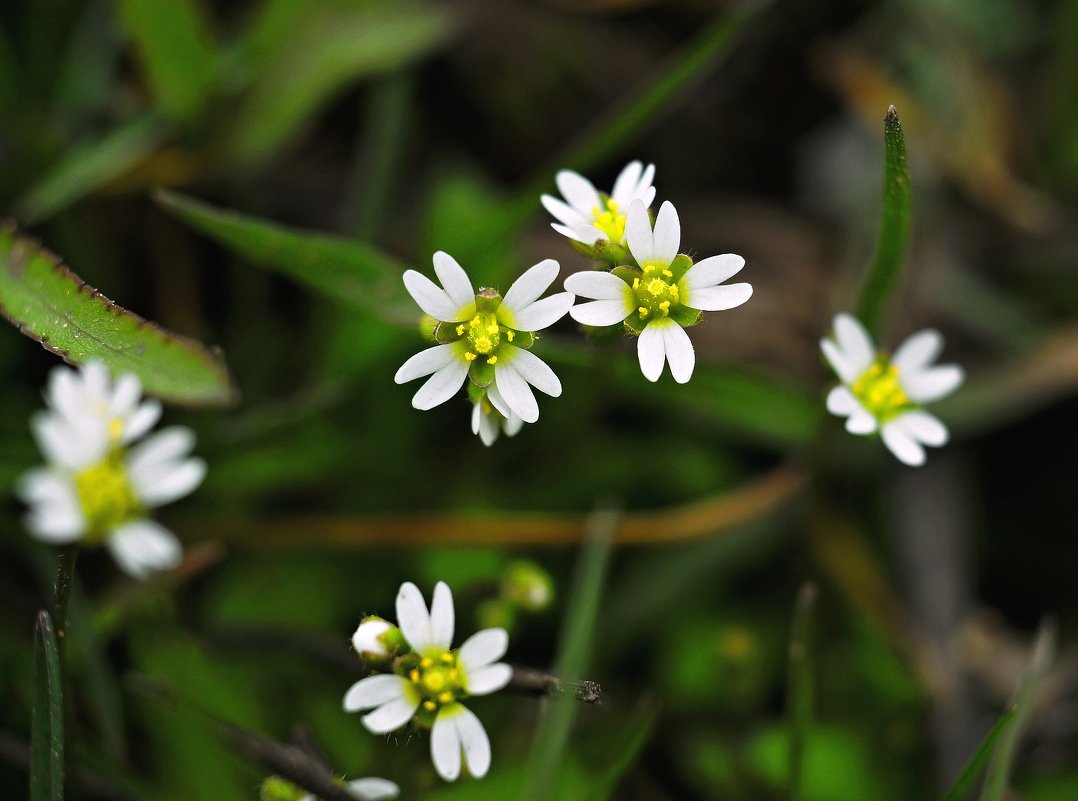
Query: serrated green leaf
[[327, 48], [47, 729], [88, 167], [177, 51], [979, 760], [352, 273], [894, 227], [49, 303]]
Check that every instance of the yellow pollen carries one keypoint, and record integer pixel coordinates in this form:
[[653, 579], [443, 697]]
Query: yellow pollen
[[469, 356], [445, 698], [665, 306], [674, 293], [414, 676], [474, 322], [460, 330], [492, 360], [636, 283], [454, 674], [492, 328], [609, 220], [656, 286], [668, 274], [430, 706], [483, 344], [880, 390], [448, 659], [116, 428], [509, 335], [105, 494], [643, 311], [426, 662]]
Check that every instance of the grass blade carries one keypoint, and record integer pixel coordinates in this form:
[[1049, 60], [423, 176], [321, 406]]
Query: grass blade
[[800, 687], [1003, 755], [979, 760], [894, 226], [638, 729], [47, 726], [574, 649], [353, 273], [49, 303]]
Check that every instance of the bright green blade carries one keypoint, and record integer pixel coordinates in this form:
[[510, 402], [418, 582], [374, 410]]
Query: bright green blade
[[47, 726], [979, 760]]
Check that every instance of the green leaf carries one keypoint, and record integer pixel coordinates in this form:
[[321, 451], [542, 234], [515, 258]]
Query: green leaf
[[90, 166], [177, 51], [894, 226], [574, 650], [47, 730], [979, 760], [50, 304], [998, 777], [800, 688], [327, 48], [352, 273]]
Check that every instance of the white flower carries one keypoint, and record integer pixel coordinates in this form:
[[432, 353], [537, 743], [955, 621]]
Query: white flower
[[665, 294], [485, 337], [491, 416], [96, 488], [588, 216], [432, 681], [369, 789], [884, 393], [369, 639]]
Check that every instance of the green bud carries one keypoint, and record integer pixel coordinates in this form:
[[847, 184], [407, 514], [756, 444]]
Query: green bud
[[612, 254], [528, 585], [427, 327], [277, 789]]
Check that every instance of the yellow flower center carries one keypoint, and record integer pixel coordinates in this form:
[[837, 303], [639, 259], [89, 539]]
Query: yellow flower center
[[105, 494], [608, 219], [880, 391], [438, 679], [656, 294], [483, 333]]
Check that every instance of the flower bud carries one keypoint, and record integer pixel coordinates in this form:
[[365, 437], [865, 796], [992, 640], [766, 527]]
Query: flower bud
[[528, 586], [376, 640], [277, 789]]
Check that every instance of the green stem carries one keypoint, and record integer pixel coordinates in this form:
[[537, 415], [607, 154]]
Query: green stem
[[800, 687], [894, 227], [65, 578]]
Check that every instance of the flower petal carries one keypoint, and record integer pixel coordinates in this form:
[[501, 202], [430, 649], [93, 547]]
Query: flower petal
[[578, 190], [853, 340], [367, 638], [424, 363], [143, 547], [588, 234], [839, 362], [445, 744], [413, 618], [55, 516], [598, 285], [142, 420], [373, 789], [667, 233], [902, 444], [625, 185], [527, 289], [165, 446], [679, 352], [374, 691], [167, 482], [918, 351], [718, 298], [516, 392], [535, 371], [489, 679], [925, 427], [860, 422], [441, 386], [651, 350], [390, 716], [125, 395], [454, 280], [601, 312], [483, 648], [713, 270], [841, 402], [441, 616], [638, 233], [924, 386], [544, 313], [476, 744], [430, 297], [564, 213]]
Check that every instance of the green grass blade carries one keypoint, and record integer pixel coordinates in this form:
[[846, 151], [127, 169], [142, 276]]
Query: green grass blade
[[89, 167], [353, 273], [177, 50], [626, 750], [47, 726], [800, 687], [894, 227], [49, 303], [998, 776], [976, 765], [574, 649]]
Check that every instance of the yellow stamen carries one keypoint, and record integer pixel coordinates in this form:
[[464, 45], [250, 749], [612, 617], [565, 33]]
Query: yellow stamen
[[643, 311], [469, 356], [460, 330], [492, 360]]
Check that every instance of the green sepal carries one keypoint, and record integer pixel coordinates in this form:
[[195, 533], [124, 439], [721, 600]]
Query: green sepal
[[428, 328], [612, 254], [488, 300], [634, 325], [446, 333], [627, 273], [583, 248], [686, 317], [481, 373], [524, 339], [476, 393], [679, 266]]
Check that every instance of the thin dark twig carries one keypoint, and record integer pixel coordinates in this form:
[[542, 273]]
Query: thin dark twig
[[528, 681]]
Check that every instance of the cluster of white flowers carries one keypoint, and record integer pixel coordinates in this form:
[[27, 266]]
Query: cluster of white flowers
[[428, 680], [99, 486]]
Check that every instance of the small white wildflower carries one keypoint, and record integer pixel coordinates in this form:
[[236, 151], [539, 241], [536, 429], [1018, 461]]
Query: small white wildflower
[[664, 295], [96, 488], [369, 641], [368, 789], [885, 393], [485, 337], [431, 682], [588, 216], [491, 416]]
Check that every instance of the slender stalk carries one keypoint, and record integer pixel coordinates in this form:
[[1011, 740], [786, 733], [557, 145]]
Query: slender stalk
[[800, 686], [65, 577]]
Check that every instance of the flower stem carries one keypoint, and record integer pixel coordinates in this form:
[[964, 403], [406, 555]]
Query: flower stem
[[65, 577]]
